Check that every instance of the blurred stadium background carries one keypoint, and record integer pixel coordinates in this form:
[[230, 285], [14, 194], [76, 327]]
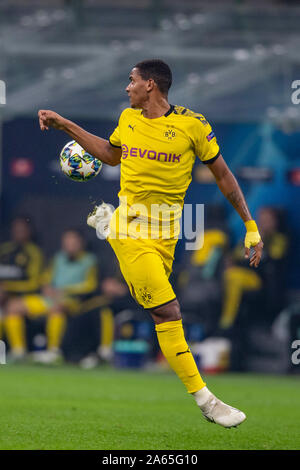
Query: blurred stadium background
[[233, 61]]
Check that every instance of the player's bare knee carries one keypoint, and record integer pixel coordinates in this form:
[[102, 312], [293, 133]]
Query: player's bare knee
[[56, 310], [15, 307], [168, 312]]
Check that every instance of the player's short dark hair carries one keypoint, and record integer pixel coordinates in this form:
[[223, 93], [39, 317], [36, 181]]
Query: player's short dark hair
[[158, 70], [24, 219], [27, 221]]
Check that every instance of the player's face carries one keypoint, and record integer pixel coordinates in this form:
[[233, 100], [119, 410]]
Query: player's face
[[267, 221], [20, 231], [137, 89], [72, 243]]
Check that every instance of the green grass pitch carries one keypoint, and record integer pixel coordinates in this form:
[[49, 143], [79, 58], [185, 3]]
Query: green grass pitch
[[67, 408]]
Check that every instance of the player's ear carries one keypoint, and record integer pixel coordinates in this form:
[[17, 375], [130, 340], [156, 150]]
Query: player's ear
[[150, 84]]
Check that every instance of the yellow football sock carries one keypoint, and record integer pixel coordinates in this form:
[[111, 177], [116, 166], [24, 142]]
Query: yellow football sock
[[175, 349], [15, 331], [107, 327], [55, 329]]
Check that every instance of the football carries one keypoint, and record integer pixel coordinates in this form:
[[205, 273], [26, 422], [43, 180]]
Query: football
[[77, 164]]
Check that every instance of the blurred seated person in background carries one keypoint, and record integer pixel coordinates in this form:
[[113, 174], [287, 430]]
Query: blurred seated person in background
[[266, 283], [21, 264], [68, 284], [200, 281], [117, 297]]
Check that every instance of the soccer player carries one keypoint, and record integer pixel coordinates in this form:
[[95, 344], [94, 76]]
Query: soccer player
[[21, 266], [239, 279], [156, 144], [68, 285]]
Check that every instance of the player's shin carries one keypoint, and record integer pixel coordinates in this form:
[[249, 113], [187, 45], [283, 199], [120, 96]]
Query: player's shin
[[177, 352], [55, 329], [14, 326], [175, 349]]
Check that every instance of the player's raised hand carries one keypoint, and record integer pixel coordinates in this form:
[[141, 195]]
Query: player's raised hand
[[253, 240], [256, 256], [48, 118]]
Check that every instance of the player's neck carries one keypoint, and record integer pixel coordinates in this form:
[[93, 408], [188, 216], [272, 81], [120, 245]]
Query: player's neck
[[155, 109]]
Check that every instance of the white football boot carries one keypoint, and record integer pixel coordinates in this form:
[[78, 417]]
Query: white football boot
[[16, 355], [99, 219], [49, 356], [216, 411], [104, 354]]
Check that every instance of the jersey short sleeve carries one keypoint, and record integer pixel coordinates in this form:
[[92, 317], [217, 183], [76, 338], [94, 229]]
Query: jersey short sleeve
[[205, 141], [114, 139]]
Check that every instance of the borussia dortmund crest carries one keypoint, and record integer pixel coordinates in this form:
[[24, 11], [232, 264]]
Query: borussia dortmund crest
[[170, 133], [21, 259], [146, 296]]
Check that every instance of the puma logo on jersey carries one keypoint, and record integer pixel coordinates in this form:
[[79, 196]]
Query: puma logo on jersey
[[131, 127], [183, 352]]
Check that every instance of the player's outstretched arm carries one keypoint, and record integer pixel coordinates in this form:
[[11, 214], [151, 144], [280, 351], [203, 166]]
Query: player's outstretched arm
[[232, 191], [96, 146]]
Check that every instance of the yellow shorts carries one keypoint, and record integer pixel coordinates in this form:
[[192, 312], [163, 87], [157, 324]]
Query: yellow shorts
[[39, 305], [146, 265], [36, 305]]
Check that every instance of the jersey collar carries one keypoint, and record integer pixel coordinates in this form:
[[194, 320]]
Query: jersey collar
[[169, 110]]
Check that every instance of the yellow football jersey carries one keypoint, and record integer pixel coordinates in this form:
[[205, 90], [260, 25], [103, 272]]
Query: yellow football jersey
[[158, 154]]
